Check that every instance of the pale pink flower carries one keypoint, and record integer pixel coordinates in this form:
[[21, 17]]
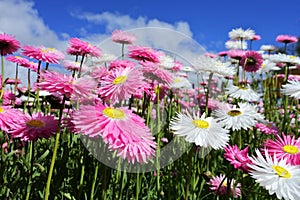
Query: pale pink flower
[[286, 39], [236, 54], [80, 48], [251, 61], [219, 184], [144, 54], [48, 55], [98, 73], [121, 64], [256, 37], [8, 44], [284, 147], [267, 128], [154, 73], [238, 158], [120, 128], [18, 60], [72, 65], [122, 37], [31, 128], [120, 84]]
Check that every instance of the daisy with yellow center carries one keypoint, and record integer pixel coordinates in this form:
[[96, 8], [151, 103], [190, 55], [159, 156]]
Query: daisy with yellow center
[[203, 131], [243, 92], [275, 175]]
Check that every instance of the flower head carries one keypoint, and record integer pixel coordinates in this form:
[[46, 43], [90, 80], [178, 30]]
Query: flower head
[[122, 37], [144, 54], [267, 128], [8, 44], [49, 55], [153, 72], [31, 128], [238, 158], [286, 39], [241, 34], [251, 61], [121, 129], [219, 185], [243, 92], [276, 176], [80, 48], [8, 117], [203, 131], [18, 60], [291, 88]]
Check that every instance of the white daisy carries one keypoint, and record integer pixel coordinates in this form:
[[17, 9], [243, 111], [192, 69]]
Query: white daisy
[[283, 58], [225, 69], [276, 175], [202, 131], [268, 66], [166, 62], [232, 44], [268, 48], [181, 82], [188, 69], [292, 88], [241, 34], [242, 92], [244, 116]]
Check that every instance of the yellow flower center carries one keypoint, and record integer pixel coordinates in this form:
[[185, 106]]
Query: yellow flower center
[[234, 113], [1, 110], [200, 123], [292, 57], [177, 80], [35, 123], [291, 149], [119, 80], [280, 171], [114, 113], [243, 87], [224, 184]]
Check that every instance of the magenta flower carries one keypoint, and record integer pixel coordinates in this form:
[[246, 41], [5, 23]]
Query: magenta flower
[[238, 158], [64, 84], [121, 64], [286, 39], [8, 44], [31, 128], [144, 54], [223, 53], [284, 147], [48, 55], [120, 84], [31, 65], [18, 60], [256, 37], [121, 129], [267, 128], [8, 117], [154, 73], [236, 54], [80, 48], [219, 184], [122, 37], [251, 61]]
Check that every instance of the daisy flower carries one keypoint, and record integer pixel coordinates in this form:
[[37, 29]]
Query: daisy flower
[[153, 72], [80, 48], [284, 147], [237, 117], [72, 65], [31, 128], [251, 61], [181, 82], [268, 48], [286, 39], [166, 62], [120, 128], [267, 66], [291, 88], [219, 185], [122, 37], [243, 92], [203, 131], [48, 55], [232, 44], [283, 58], [256, 37], [241, 34], [144, 54], [236, 54], [8, 44], [103, 59], [8, 117], [238, 158], [121, 64], [267, 128], [120, 84], [18, 60], [277, 176]]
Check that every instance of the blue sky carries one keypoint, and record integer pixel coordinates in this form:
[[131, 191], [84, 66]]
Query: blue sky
[[208, 22]]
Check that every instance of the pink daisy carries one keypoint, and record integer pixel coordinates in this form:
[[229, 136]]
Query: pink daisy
[[97, 73], [8, 44], [64, 84], [236, 54], [251, 61], [31, 65], [223, 53], [144, 54], [18, 60], [121, 129], [238, 158], [215, 182], [8, 117], [256, 37], [286, 39], [48, 55], [120, 84], [267, 128], [121, 64], [72, 65], [154, 73], [122, 37], [31, 128], [80, 48], [285, 147]]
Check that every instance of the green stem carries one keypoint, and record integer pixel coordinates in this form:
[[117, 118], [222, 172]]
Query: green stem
[[207, 93], [94, 181], [31, 153], [123, 45]]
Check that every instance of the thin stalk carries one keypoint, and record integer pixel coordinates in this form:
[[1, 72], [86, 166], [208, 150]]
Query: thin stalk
[[94, 181], [80, 67], [31, 153], [16, 83], [2, 74]]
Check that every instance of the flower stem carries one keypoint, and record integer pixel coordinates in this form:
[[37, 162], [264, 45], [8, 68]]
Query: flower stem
[[94, 181], [81, 63], [31, 154]]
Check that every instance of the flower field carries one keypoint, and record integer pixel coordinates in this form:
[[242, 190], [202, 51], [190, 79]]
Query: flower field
[[147, 124]]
